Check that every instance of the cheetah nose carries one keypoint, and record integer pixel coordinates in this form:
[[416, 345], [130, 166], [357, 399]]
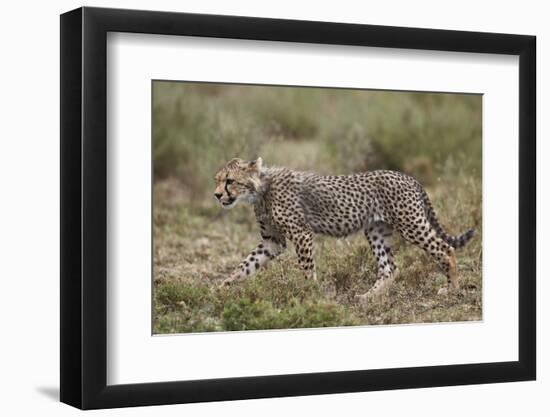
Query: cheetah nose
[[218, 195]]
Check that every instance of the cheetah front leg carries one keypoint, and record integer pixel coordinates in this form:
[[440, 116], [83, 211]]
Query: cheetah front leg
[[380, 237], [269, 249]]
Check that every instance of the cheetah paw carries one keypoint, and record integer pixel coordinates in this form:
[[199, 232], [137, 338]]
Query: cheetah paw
[[370, 295], [228, 281], [443, 291], [363, 298]]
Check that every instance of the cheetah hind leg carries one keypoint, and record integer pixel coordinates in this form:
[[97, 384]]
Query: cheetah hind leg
[[425, 236], [380, 237], [448, 265]]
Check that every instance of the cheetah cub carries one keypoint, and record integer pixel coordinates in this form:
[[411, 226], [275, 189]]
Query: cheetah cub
[[294, 205]]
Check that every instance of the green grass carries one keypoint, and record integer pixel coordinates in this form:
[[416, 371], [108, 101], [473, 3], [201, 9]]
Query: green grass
[[196, 248], [197, 128]]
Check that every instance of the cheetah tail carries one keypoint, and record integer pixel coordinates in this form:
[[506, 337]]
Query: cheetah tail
[[455, 241], [459, 241]]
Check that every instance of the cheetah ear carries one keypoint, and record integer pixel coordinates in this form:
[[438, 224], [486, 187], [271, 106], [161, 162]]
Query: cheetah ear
[[256, 165], [234, 163]]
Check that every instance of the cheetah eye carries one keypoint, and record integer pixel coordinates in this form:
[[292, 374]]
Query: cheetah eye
[[229, 181]]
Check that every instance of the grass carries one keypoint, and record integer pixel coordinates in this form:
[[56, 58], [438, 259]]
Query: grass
[[435, 137]]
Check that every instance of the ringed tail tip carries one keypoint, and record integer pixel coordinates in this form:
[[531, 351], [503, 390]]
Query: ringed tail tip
[[461, 240]]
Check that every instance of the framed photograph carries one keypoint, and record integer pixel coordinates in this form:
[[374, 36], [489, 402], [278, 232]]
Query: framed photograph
[[258, 208]]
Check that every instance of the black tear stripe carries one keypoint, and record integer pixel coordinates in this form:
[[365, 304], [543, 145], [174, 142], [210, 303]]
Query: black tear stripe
[[226, 190]]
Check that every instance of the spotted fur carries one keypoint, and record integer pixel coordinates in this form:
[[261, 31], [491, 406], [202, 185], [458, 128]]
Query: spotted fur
[[295, 205]]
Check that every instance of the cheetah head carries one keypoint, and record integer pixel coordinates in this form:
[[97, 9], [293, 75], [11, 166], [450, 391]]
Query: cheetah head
[[238, 180]]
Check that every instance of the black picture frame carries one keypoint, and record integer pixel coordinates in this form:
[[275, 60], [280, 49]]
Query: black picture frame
[[84, 207]]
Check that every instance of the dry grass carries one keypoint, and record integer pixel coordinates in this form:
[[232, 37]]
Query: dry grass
[[197, 244]]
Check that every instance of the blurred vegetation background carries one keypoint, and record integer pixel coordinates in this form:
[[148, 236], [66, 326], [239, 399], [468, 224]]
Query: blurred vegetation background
[[197, 127]]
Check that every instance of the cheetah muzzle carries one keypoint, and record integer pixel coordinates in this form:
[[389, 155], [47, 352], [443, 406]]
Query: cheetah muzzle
[[296, 205]]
